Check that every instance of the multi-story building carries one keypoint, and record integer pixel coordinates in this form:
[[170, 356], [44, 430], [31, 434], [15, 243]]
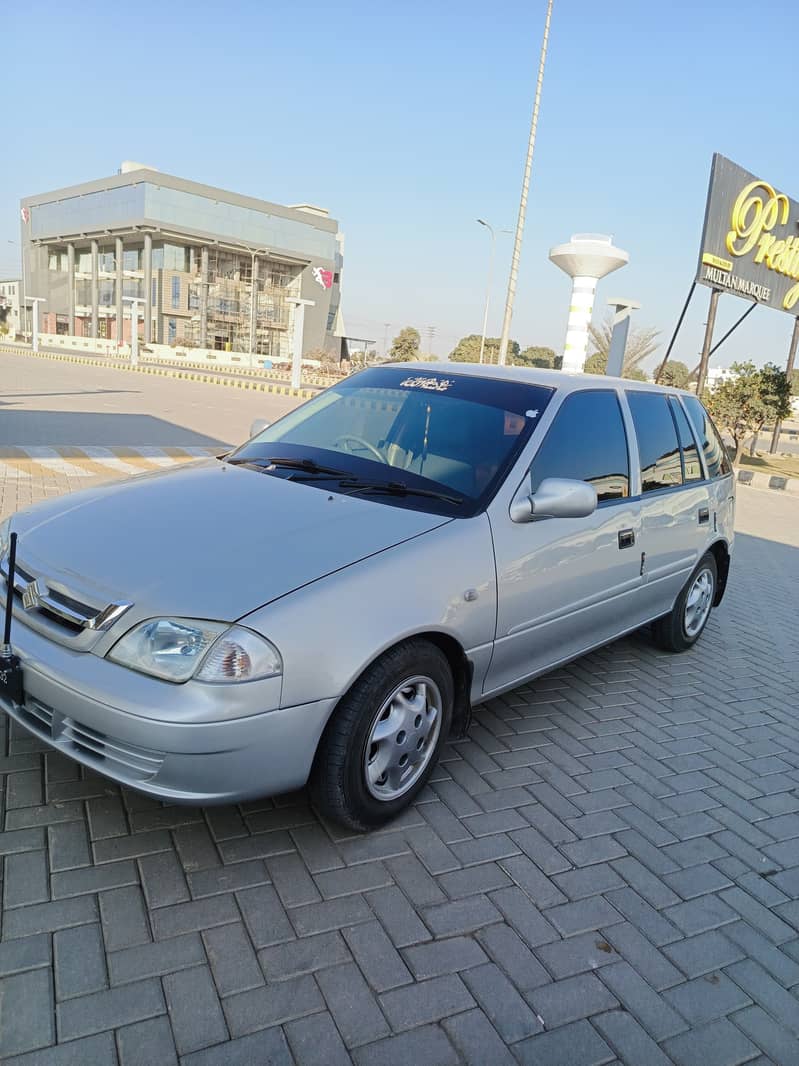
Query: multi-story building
[[211, 268], [10, 291]]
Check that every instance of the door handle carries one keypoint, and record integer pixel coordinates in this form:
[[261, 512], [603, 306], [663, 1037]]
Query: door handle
[[704, 516], [626, 538]]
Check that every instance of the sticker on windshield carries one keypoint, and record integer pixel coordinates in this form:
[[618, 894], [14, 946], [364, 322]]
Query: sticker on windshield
[[431, 384]]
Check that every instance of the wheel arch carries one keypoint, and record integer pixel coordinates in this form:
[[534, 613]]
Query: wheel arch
[[720, 551]]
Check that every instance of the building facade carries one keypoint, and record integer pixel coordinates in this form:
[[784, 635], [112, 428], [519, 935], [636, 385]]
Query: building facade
[[10, 294], [195, 266]]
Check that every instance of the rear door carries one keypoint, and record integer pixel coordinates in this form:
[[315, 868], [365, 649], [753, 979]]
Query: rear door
[[568, 584], [675, 511]]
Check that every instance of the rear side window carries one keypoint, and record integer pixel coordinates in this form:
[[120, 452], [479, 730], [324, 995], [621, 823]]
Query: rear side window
[[587, 442], [716, 458], [691, 466], [658, 446]]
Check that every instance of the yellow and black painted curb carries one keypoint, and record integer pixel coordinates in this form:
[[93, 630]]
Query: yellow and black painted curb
[[168, 372]]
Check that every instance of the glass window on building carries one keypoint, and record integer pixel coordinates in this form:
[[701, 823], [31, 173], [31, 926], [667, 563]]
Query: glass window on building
[[158, 257], [105, 291], [176, 293], [175, 257], [131, 259], [132, 287], [105, 261], [172, 330], [58, 261], [83, 262], [154, 293], [194, 297]]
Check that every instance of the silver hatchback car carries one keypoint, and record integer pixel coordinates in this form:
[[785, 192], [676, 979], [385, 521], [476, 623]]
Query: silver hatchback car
[[327, 602]]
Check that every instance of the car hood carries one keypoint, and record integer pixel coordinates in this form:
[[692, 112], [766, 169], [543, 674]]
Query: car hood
[[209, 540]]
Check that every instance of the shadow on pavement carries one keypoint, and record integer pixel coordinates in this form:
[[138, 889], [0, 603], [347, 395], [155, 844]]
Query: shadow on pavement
[[55, 428]]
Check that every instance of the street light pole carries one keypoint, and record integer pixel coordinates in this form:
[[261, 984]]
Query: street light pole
[[134, 302], [35, 300], [490, 229], [517, 243]]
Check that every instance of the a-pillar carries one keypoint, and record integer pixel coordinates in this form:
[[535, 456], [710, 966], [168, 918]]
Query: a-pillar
[[95, 291], [580, 311], [71, 283], [118, 287], [203, 297], [148, 288]]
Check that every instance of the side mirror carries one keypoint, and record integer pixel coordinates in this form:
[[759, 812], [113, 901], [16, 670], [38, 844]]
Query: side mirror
[[556, 498], [258, 426]]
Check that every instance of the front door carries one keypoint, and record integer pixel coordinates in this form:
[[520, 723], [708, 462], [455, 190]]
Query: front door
[[568, 584]]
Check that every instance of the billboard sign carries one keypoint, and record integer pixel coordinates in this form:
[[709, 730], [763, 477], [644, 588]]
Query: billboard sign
[[750, 239]]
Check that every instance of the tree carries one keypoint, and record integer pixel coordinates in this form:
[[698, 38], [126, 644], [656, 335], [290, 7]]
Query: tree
[[640, 344], [795, 382], [745, 401], [405, 345], [4, 311], [676, 374], [467, 350], [598, 364], [535, 356]]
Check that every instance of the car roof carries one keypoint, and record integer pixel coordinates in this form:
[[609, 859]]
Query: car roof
[[554, 379]]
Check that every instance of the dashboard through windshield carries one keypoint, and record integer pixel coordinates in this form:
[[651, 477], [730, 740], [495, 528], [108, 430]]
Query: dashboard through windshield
[[415, 438]]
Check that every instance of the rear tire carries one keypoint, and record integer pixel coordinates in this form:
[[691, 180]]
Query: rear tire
[[683, 626], [385, 737]]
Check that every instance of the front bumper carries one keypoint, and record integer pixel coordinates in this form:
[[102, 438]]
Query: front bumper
[[180, 760]]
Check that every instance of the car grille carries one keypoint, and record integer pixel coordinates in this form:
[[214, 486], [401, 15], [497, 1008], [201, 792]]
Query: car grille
[[107, 754], [67, 611]]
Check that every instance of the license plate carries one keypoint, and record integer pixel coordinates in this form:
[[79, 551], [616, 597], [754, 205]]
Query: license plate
[[11, 679]]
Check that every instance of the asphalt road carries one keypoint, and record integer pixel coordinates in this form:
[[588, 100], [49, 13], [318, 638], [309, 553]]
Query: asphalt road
[[44, 402]]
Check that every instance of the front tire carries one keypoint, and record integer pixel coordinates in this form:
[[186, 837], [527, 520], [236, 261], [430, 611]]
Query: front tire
[[385, 737], [683, 626]]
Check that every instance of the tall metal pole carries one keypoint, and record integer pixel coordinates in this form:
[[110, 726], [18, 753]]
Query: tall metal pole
[[775, 437], [517, 243], [490, 229], [711, 322]]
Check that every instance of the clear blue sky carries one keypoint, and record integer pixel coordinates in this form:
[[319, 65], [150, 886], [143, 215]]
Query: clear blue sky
[[408, 121]]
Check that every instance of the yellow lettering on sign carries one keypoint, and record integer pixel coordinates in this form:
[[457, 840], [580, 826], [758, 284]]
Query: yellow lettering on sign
[[756, 211]]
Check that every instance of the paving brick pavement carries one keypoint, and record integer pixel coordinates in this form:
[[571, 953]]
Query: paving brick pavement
[[606, 871]]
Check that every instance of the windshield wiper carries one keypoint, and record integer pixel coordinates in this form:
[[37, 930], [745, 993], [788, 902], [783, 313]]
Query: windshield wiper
[[399, 488], [306, 466]]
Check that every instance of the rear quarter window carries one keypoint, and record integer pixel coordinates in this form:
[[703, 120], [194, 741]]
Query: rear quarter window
[[717, 460]]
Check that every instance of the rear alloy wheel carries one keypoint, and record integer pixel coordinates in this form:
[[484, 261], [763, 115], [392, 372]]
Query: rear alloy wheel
[[385, 737], [681, 629]]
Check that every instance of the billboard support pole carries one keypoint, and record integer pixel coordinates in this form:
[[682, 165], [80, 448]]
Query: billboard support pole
[[711, 322], [775, 439], [676, 331]]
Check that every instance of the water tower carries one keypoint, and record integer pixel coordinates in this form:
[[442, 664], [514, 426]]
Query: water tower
[[586, 258]]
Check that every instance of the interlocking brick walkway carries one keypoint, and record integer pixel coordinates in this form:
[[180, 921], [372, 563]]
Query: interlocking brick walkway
[[606, 871]]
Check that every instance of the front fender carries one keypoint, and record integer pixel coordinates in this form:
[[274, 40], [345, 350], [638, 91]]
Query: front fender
[[329, 631]]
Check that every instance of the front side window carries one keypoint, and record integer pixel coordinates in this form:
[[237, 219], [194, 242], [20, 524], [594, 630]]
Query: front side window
[[658, 447], [175, 293], [172, 330], [385, 430], [716, 458], [586, 442]]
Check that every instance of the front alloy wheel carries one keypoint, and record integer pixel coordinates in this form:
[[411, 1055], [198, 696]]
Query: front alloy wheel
[[385, 736], [403, 738]]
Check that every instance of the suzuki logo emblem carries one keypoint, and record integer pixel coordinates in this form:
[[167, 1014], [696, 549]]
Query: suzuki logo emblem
[[32, 595]]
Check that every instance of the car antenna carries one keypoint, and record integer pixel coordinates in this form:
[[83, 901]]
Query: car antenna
[[10, 666]]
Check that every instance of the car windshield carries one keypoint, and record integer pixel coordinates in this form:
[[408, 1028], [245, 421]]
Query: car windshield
[[430, 440]]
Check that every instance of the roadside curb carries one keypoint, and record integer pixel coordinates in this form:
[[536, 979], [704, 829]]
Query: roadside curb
[[776, 482], [185, 375]]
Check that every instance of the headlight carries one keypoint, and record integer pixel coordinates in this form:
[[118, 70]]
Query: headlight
[[176, 649]]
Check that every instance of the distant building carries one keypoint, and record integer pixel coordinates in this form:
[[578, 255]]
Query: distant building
[[10, 300], [717, 374], [214, 269]]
